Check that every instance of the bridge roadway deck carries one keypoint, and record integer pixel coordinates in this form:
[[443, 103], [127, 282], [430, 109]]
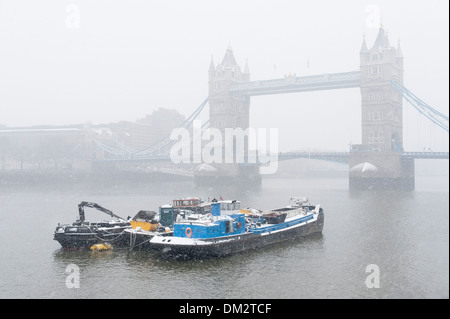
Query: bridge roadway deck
[[293, 83]]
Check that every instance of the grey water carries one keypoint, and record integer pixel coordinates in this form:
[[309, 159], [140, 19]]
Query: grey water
[[404, 234]]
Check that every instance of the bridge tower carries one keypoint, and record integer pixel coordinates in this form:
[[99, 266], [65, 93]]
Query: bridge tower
[[378, 162], [228, 110]]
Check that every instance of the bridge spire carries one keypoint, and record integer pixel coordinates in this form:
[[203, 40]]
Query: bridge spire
[[228, 60], [382, 41], [399, 50], [211, 65], [246, 69], [364, 48]]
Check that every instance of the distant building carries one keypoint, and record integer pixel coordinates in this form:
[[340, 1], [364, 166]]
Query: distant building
[[42, 147], [153, 128]]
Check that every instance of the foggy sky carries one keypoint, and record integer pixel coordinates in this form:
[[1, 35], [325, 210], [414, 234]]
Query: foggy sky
[[123, 59]]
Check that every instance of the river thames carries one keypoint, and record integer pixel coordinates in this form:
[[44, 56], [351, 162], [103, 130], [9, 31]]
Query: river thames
[[404, 235]]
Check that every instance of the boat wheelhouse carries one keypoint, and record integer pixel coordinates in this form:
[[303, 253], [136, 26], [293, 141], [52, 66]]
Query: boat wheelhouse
[[229, 207], [194, 204]]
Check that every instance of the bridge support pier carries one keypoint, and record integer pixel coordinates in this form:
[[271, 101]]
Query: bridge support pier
[[381, 171]]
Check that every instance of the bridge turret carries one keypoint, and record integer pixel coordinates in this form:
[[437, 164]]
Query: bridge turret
[[212, 69], [399, 58], [246, 74], [364, 50]]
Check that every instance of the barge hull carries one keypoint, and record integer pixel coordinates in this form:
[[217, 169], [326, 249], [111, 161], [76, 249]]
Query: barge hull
[[239, 243], [80, 241]]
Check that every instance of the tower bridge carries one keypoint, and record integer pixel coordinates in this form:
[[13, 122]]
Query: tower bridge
[[380, 79], [380, 160]]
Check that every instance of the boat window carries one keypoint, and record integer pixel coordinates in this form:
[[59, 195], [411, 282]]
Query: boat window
[[229, 226]]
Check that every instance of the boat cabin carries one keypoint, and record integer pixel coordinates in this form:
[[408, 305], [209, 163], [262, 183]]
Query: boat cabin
[[223, 226], [194, 204], [184, 206], [212, 226], [230, 207], [166, 215], [187, 202]]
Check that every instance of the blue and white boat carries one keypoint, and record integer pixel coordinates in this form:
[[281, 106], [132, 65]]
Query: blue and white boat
[[228, 229]]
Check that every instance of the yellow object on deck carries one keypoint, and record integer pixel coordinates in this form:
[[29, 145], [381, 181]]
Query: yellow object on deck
[[144, 225], [101, 247]]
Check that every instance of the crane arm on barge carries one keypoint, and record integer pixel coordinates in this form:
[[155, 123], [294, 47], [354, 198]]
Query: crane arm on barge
[[82, 205]]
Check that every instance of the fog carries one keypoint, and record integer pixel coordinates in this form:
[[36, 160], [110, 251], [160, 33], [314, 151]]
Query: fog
[[70, 62], [91, 90]]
